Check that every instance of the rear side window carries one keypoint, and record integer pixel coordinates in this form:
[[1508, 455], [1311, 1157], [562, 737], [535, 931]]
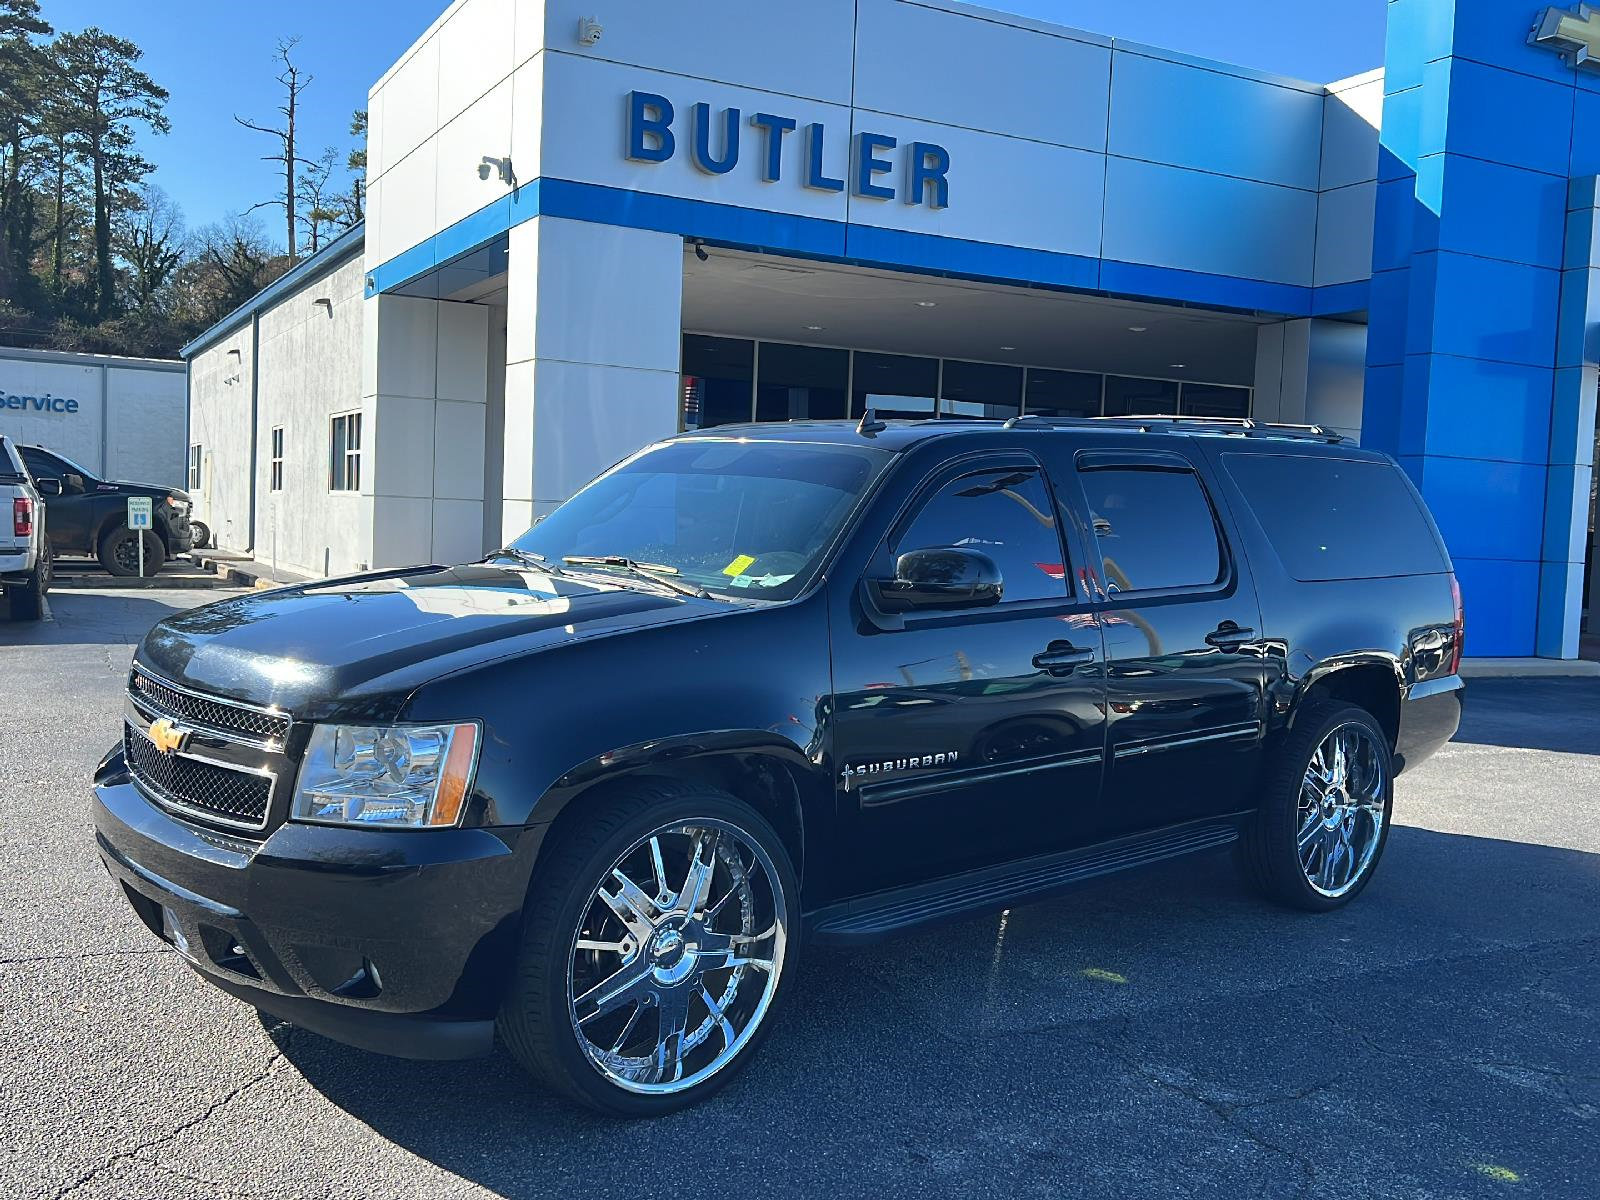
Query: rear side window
[[1006, 514], [1331, 518], [1154, 526]]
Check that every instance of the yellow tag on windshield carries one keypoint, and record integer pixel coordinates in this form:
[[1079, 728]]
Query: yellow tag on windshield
[[739, 565]]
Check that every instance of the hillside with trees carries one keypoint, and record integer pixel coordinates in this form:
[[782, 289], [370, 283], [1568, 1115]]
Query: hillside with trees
[[93, 256]]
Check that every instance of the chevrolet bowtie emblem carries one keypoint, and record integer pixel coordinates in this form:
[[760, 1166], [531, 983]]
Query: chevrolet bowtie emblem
[[1572, 33], [167, 736]]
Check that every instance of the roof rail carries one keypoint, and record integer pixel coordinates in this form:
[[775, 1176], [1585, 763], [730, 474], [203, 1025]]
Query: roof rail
[[1232, 426]]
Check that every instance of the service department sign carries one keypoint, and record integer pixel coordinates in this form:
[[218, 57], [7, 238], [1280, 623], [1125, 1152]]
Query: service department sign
[[1572, 33], [46, 403]]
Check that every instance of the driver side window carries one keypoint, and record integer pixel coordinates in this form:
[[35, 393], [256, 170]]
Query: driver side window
[[1005, 513]]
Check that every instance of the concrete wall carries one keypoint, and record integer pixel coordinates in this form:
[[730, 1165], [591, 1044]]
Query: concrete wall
[[311, 369], [122, 418], [220, 381], [1311, 373]]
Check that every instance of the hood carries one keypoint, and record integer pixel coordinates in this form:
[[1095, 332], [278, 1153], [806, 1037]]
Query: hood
[[157, 490], [363, 643]]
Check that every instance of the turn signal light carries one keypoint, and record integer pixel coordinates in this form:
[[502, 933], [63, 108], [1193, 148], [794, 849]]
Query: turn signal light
[[22, 516]]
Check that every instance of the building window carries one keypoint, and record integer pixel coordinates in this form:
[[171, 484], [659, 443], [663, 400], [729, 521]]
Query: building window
[[801, 383], [1063, 393], [718, 377], [195, 471], [344, 469], [1128, 397], [277, 458], [973, 389], [895, 386], [1213, 400]]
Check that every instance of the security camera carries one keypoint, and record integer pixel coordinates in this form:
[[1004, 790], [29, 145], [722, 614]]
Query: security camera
[[700, 251], [589, 31]]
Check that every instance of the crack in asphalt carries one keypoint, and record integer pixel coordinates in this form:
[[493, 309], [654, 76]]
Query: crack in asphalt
[[69, 955], [138, 1153]]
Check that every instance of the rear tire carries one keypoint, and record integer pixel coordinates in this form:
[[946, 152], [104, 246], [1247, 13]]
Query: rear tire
[[607, 969], [199, 535], [119, 552], [25, 601], [1328, 796]]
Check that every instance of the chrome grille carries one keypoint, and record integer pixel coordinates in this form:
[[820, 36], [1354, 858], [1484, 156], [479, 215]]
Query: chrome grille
[[201, 710], [206, 789]]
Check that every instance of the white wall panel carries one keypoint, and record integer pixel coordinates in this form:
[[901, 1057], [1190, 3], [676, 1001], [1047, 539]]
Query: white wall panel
[[458, 450], [398, 447], [144, 426], [463, 369], [1344, 234], [1002, 190], [588, 138], [1170, 217], [403, 331], [402, 531], [475, 53], [409, 202], [591, 416], [799, 50], [1351, 119], [457, 532], [483, 130], [1191, 117], [1055, 87], [409, 113]]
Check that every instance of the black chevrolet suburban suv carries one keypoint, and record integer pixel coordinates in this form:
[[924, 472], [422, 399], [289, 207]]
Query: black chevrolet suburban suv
[[769, 684], [89, 515]]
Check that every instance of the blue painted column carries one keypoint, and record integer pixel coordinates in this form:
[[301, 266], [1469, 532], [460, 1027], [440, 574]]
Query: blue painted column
[[1481, 135]]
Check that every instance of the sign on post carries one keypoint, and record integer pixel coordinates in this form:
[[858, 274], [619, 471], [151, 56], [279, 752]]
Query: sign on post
[[141, 516]]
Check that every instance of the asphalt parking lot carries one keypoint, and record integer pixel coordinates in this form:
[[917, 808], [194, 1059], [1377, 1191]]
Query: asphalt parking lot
[[1161, 1036]]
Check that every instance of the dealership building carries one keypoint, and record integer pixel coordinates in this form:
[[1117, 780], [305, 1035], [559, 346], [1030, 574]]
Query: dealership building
[[594, 225]]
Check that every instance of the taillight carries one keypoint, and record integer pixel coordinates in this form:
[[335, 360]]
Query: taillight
[[22, 516], [1461, 626]]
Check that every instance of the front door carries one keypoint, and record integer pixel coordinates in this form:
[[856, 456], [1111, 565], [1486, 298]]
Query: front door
[[69, 514], [1186, 676], [969, 738]]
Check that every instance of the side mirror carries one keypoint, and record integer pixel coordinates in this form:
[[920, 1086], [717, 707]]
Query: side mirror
[[48, 487], [946, 578]]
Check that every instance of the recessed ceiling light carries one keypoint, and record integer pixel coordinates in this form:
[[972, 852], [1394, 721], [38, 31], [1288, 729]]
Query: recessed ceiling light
[[813, 328], [1008, 347], [1177, 366], [1137, 328], [926, 303]]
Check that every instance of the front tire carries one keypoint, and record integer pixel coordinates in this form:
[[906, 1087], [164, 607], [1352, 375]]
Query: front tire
[[119, 552], [654, 945], [199, 535], [1325, 811]]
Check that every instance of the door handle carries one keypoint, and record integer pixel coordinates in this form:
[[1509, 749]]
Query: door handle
[[1059, 658], [1229, 634]]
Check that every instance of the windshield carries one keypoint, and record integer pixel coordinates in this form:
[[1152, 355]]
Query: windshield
[[734, 517]]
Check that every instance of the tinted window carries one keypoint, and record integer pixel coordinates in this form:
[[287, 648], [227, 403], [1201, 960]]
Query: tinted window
[[797, 382], [1140, 397], [895, 385], [716, 380], [1154, 526], [1214, 400], [981, 390], [1063, 393], [1332, 518], [1005, 514]]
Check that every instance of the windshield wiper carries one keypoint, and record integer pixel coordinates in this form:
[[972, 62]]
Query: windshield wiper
[[526, 557], [655, 572]]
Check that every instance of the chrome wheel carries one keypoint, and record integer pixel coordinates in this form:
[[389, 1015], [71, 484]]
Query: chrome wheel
[[677, 958], [1342, 802]]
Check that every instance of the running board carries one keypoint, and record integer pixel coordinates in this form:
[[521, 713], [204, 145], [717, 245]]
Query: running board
[[886, 913]]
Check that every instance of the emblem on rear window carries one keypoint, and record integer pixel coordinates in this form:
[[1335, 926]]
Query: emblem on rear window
[[889, 766]]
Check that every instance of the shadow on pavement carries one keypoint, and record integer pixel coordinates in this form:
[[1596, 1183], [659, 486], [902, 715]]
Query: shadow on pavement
[[1445, 1024], [89, 618], [1533, 714]]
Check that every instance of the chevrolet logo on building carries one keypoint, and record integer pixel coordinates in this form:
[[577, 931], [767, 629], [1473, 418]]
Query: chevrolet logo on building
[[168, 738], [1572, 33]]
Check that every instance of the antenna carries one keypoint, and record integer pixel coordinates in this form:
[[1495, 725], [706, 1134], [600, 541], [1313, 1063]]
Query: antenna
[[870, 424]]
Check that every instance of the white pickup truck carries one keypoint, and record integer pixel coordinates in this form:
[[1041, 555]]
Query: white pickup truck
[[24, 550]]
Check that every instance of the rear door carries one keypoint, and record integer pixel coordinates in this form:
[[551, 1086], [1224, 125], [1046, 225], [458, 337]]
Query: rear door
[[1186, 664], [969, 738]]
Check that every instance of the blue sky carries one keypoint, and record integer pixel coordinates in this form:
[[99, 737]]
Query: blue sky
[[215, 59]]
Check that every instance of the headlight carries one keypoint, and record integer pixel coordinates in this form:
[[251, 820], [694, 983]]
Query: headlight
[[406, 776]]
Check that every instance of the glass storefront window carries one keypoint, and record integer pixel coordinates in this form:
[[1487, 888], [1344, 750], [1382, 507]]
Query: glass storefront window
[[1214, 400], [716, 380], [981, 390], [1128, 397], [895, 385], [1063, 393], [801, 382]]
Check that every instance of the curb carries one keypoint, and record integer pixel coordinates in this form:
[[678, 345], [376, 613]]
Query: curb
[[1529, 668]]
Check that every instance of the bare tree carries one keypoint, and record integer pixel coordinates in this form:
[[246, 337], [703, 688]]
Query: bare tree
[[294, 82], [320, 211], [150, 240]]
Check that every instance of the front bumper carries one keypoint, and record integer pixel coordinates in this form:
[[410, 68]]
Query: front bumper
[[397, 941]]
